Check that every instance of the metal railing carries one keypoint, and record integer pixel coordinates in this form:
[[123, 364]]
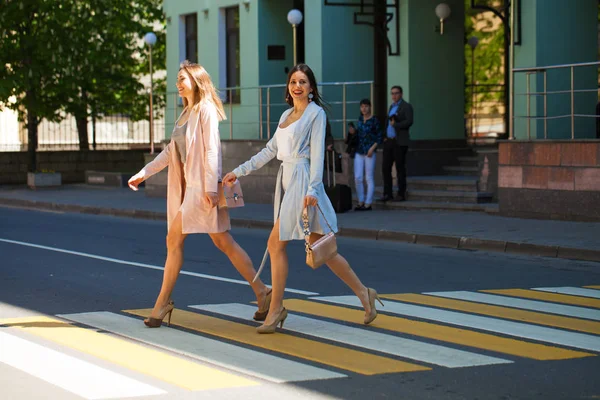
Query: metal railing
[[256, 115], [108, 132], [535, 71], [484, 111]]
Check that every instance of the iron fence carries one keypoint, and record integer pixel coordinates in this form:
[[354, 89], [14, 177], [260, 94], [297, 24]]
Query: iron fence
[[253, 113], [485, 111]]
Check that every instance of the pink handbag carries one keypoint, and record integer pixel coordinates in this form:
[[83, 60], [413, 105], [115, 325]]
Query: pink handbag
[[231, 196], [323, 249]]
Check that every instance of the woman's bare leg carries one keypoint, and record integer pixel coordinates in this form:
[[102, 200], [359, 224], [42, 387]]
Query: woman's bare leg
[[342, 270], [241, 261], [173, 264], [279, 272]]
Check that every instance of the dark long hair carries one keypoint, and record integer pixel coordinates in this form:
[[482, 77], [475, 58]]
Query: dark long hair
[[313, 84]]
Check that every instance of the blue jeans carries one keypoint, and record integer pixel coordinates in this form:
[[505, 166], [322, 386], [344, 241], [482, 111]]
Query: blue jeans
[[364, 169]]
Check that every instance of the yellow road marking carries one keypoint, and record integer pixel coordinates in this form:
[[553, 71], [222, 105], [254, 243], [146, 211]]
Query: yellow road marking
[[158, 364], [439, 332], [545, 296], [592, 287], [502, 312], [339, 357]]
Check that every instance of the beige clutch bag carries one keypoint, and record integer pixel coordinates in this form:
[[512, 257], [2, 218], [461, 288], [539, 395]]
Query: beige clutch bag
[[323, 249], [231, 196]]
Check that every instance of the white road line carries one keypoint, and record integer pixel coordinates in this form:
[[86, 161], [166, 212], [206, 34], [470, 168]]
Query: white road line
[[69, 373], [560, 309], [542, 334], [142, 265], [229, 356], [412, 349], [574, 291]]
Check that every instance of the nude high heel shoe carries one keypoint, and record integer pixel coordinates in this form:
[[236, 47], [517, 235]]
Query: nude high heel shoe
[[157, 322], [262, 315], [264, 328], [370, 317]]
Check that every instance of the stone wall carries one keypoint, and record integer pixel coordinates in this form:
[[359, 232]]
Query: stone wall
[[555, 179], [71, 164]]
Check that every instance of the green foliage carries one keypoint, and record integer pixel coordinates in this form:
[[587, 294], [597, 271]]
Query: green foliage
[[78, 56], [488, 55]]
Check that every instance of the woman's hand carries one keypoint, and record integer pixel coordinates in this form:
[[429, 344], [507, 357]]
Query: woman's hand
[[229, 179], [370, 153], [310, 201], [211, 198], [135, 180]]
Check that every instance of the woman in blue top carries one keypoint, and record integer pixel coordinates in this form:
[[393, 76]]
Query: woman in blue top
[[299, 143], [369, 136]]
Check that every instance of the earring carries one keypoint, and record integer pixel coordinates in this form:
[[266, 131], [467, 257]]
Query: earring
[[310, 96], [287, 97]]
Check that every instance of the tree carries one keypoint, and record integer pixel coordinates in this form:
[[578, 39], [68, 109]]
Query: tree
[[75, 57], [30, 45], [107, 59]]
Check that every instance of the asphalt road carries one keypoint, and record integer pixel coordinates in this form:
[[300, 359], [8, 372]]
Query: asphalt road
[[74, 285]]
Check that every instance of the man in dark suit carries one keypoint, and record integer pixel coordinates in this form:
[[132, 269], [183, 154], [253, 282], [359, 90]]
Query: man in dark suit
[[395, 145]]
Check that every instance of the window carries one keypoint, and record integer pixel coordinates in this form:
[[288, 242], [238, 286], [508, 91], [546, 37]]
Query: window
[[232, 32], [191, 37]]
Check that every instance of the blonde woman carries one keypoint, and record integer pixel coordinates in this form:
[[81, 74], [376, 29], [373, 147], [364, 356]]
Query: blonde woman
[[194, 160], [299, 142]]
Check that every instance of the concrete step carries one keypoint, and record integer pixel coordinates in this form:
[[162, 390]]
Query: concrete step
[[468, 161], [460, 170], [443, 182], [491, 208], [448, 196]]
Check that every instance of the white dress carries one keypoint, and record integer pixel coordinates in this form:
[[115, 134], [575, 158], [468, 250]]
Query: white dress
[[301, 148]]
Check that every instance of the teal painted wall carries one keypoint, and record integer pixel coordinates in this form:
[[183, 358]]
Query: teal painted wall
[[430, 69], [347, 57], [557, 32], [274, 29], [210, 45]]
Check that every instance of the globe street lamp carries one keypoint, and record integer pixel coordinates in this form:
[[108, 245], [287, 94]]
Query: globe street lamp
[[150, 39], [294, 17]]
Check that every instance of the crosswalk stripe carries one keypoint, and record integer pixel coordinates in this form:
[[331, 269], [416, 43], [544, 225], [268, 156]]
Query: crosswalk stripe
[[543, 334], [69, 373], [557, 298], [472, 306], [158, 364], [438, 332], [552, 308], [574, 291], [412, 349], [250, 362], [339, 357]]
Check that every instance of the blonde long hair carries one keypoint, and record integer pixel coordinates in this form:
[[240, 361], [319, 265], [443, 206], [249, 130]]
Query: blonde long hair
[[204, 89]]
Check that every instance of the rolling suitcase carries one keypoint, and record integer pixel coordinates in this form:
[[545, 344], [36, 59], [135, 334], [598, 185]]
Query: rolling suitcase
[[339, 195]]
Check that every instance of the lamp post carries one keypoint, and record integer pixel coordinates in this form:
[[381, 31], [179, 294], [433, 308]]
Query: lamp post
[[473, 42], [150, 39], [294, 17], [443, 12]]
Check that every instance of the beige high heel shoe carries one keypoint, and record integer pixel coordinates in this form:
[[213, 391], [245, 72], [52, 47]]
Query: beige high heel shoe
[[264, 328], [262, 315], [157, 322], [370, 317]]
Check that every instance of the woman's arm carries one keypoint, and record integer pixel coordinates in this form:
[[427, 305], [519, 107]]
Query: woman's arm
[[158, 164], [209, 132], [317, 153], [258, 160]]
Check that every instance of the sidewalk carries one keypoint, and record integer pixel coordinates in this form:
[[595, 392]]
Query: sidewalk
[[461, 230]]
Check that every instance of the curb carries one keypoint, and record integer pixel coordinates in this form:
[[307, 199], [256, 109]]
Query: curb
[[444, 241]]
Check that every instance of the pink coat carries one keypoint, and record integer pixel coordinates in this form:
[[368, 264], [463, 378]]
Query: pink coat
[[187, 183]]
